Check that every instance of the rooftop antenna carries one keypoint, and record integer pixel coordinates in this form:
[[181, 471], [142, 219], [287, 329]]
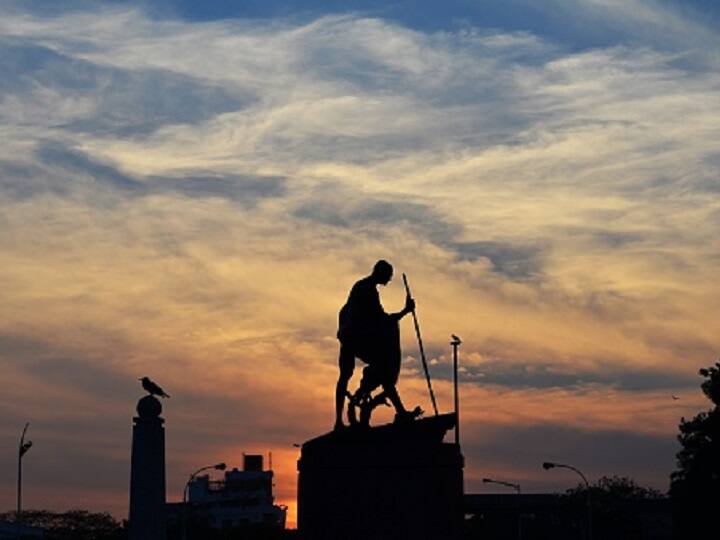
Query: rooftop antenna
[[422, 350], [455, 344]]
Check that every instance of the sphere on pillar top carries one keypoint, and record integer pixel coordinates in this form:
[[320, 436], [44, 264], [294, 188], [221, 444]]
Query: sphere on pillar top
[[149, 407]]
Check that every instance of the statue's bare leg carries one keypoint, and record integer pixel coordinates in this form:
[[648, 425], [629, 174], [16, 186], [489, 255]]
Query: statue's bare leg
[[347, 366]]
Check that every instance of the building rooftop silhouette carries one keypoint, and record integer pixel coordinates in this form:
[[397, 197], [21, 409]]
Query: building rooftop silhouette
[[241, 498]]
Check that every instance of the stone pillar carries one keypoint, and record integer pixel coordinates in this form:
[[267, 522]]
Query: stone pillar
[[394, 482], [147, 473]]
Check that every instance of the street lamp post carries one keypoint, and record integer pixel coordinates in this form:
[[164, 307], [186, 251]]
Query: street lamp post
[[456, 397], [217, 467], [23, 447], [547, 465], [516, 487]]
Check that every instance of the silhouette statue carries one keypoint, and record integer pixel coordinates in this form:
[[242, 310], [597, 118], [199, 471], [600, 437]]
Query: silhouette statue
[[152, 388], [367, 332]]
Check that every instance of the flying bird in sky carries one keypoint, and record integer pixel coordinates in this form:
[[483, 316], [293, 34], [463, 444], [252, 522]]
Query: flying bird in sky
[[152, 388]]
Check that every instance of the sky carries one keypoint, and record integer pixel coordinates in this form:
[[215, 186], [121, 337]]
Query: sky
[[188, 191]]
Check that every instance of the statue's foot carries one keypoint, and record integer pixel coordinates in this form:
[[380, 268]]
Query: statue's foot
[[408, 416], [365, 413]]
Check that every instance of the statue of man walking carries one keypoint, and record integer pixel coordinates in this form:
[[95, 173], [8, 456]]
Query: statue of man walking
[[366, 332]]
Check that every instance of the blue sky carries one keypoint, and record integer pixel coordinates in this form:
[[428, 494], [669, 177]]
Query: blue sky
[[576, 24], [189, 189]]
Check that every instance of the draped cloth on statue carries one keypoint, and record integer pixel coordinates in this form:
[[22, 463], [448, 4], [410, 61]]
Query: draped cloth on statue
[[365, 331]]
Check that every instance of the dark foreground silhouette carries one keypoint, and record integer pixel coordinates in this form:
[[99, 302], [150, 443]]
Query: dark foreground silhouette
[[695, 486], [153, 389], [71, 525], [622, 510], [367, 332], [398, 481], [85, 525]]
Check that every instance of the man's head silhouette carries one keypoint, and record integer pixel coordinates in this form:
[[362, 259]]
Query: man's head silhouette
[[382, 272]]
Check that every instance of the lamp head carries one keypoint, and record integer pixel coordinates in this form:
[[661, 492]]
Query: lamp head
[[220, 466], [548, 465], [486, 480]]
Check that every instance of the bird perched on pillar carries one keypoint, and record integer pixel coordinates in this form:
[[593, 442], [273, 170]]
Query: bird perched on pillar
[[152, 388]]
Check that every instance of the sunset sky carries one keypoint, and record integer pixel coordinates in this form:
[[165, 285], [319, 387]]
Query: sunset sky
[[188, 190]]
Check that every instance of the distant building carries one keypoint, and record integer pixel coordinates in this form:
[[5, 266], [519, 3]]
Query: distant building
[[241, 499]]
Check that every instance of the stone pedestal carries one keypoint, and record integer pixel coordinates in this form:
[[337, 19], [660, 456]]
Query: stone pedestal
[[389, 482], [147, 474]]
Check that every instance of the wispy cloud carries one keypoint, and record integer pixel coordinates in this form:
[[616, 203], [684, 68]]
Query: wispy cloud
[[195, 199]]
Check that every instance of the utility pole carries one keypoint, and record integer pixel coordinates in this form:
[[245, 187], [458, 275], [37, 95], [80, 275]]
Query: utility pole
[[455, 344], [217, 467], [23, 447], [547, 465], [516, 487]]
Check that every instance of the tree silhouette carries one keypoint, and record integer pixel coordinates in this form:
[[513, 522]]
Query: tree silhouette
[[72, 525], [618, 503], [695, 486]]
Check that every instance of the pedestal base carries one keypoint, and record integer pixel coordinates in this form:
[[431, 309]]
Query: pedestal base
[[390, 482]]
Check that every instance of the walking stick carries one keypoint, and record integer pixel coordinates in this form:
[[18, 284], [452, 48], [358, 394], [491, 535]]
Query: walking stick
[[422, 350]]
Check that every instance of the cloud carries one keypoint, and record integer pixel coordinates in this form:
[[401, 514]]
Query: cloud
[[342, 207], [596, 452], [536, 374], [352, 209], [196, 198], [63, 171], [515, 262], [56, 155], [51, 88], [243, 189]]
